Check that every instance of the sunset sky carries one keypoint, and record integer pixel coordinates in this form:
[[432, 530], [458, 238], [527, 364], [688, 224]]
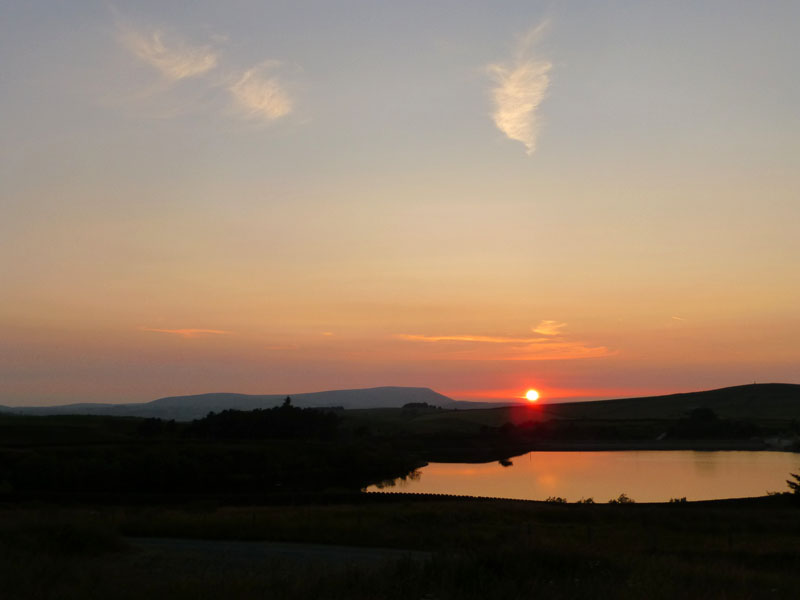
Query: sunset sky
[[593, 199]]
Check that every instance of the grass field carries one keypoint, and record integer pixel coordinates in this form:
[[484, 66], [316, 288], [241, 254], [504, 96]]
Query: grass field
[[489, 549]]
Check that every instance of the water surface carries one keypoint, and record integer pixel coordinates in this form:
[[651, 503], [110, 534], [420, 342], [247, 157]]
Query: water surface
[[645, 476]]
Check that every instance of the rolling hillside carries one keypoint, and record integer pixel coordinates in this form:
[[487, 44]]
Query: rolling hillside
[[779, 401]]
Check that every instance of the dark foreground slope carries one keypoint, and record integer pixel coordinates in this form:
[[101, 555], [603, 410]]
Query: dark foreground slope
[[478, 550]]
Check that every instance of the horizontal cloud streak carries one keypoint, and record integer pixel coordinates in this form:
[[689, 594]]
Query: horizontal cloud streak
[[486, 347], [557, 351], [260, 96], [188, 333], [521, 85], [176, 61], [484, 339]]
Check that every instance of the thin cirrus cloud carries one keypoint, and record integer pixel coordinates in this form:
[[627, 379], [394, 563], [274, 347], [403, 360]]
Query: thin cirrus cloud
[[520, 86], [551, 345], [187, 333], [483, 339], [260, 95], [257, 92], [175, 59]]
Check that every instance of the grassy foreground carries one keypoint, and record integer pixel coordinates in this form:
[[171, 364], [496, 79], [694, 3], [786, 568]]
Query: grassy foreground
[[486, 549]]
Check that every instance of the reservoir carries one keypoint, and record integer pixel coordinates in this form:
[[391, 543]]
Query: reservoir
[[644, 476]]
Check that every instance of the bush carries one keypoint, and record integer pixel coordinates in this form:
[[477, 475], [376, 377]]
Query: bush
[[556, 500], [622, 499]]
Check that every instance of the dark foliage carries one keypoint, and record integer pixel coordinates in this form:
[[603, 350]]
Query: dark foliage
[[196, 467], [280, 450], [702, 415], [284, 422], [703, 423], [555, 430], [150, 428]]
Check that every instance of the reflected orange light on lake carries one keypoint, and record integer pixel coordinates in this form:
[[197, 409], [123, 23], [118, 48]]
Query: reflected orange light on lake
[[645, 476]]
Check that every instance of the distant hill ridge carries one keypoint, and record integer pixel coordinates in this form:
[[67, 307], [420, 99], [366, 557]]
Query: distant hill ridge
[[753, 401], [186, 408]]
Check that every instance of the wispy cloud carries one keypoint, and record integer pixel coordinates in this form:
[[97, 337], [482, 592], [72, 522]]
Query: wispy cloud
[[521, 85], [188, 333], [548, 327], [175, 59], [258, 93], [261, 95], [551, 345], [483, 339]]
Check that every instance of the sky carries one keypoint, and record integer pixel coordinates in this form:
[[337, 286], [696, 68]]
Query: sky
[[590, 199]]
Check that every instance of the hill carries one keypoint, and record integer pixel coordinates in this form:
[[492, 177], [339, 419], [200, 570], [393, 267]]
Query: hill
[[758, 402], [770, 401], [186, 408]]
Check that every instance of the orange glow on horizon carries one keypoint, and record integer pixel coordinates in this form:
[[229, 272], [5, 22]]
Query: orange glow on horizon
[[549, 394]]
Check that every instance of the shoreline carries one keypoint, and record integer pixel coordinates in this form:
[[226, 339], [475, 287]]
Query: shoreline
[[495, 453], [671, 445]]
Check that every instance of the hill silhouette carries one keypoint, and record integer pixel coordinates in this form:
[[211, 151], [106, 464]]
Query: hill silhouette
[[780, 401], [763, 401], [186, 408]]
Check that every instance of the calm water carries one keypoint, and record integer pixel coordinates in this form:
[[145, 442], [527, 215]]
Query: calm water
[[645, 476]]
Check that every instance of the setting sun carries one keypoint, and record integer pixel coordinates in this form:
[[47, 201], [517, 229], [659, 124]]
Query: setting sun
[[532, 395]]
